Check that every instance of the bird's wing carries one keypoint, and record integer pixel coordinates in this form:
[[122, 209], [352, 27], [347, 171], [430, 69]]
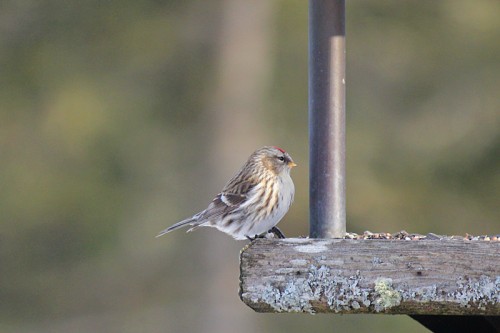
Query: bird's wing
[[231, 199], [234, 193], [224, 203], [221, 205], [239, 185]]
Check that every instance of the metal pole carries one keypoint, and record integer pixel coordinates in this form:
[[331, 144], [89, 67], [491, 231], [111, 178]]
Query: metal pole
[[327, 118]]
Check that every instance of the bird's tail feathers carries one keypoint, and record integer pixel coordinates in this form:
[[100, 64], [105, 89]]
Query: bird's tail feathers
[[193, 221]]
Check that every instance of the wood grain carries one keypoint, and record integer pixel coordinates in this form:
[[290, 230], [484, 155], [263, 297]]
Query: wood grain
[[438, 277]]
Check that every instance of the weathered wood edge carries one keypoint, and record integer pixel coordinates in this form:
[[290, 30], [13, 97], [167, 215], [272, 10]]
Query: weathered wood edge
[[436, 277]]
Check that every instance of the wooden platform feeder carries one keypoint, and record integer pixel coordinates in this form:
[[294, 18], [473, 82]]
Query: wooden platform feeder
[[447, 284]]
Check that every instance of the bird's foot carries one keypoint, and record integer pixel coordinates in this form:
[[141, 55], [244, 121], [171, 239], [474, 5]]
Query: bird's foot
[[274, 232], [251, 239], [277, 233]]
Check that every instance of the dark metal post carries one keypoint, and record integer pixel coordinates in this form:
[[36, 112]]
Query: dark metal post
[[327, 118]]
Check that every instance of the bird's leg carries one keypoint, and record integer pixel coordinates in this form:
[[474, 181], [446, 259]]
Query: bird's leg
[[277, 232]]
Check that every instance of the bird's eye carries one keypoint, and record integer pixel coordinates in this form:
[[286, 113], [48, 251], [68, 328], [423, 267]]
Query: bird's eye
[[281, 158]]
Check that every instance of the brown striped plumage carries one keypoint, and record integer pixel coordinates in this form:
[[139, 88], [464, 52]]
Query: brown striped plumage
[[253, 201]]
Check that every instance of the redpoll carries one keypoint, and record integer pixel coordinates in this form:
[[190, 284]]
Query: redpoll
[[253, 201]]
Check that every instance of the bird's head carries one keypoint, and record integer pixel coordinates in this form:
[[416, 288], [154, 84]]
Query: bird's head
[[274, 159]]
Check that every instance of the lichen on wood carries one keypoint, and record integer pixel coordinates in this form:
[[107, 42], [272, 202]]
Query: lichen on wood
[[371, 276]]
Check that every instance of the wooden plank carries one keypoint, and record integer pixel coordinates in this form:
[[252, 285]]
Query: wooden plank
[[424, 277]]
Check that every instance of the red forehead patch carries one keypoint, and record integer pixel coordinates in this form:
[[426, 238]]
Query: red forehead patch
[[281, 150]]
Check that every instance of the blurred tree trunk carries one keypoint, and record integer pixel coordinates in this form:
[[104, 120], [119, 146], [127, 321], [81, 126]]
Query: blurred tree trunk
[[236, 120]]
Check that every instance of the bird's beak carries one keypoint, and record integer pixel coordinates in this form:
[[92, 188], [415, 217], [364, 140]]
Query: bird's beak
[[291, 164]]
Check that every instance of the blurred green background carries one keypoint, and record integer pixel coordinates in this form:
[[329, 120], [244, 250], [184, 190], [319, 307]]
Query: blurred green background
[[119, 118]]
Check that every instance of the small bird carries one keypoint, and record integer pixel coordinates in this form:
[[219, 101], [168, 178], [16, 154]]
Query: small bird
[[253, 201]]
